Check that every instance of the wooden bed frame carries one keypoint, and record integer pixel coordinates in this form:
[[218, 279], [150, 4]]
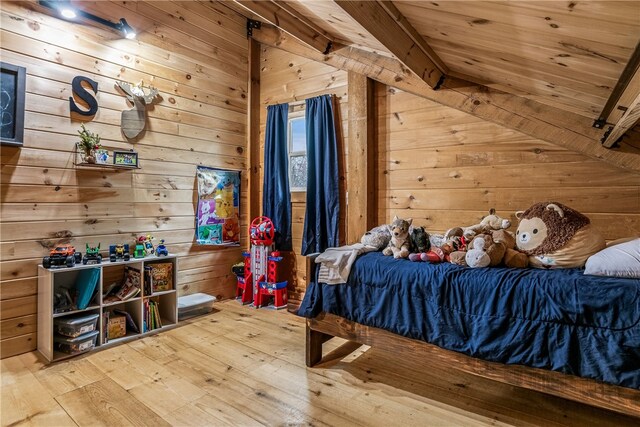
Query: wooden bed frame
[[326, 326]]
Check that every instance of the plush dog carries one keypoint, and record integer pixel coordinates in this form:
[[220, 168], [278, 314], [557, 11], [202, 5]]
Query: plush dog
[[400, 241], [419, 240]]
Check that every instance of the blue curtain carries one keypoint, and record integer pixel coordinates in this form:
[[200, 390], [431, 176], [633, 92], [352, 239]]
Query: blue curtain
[[276, 199], [323, 197]]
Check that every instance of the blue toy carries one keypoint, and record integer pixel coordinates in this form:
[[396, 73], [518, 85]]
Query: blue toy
[[161, 249]]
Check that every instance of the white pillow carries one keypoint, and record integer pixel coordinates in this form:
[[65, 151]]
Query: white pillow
[[621, 260]]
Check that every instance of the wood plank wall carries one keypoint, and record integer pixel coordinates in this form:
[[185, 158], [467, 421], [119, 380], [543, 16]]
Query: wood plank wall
[[446, 168], [288, 78], [196, 55]]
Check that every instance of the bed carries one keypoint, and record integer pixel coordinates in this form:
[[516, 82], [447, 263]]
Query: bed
[[557, 331]]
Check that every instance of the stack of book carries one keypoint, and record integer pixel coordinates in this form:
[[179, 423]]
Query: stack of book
[[129, 288], [151, 315]]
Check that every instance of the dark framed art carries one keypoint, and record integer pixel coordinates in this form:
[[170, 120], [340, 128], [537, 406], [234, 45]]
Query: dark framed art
[[12, 95], [125, 158]]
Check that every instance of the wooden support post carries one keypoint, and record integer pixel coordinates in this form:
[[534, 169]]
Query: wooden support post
[[361, 206], [314, 341], [253, 129]]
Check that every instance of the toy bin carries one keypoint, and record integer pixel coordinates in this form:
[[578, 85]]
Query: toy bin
[[75, 345], [194, 305], [76, 325]]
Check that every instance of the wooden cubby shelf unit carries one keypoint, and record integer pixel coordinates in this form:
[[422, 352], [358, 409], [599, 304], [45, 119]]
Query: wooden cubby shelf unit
[[51, 278]]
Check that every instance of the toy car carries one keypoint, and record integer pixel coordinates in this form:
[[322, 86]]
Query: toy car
[[161, 249], [139, 251], [148, 245], [119, 251], [92, 254], [62, 255]]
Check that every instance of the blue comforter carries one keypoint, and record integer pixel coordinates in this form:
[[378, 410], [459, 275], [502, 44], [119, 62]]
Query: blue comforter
[[553, 319]]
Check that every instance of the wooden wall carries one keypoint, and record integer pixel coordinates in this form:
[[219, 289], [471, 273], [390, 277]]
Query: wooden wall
[[196, 55], [289, 78], [446, 168]]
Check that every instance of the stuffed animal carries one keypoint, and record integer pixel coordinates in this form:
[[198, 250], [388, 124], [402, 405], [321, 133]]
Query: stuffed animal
[[477, 256], [553, 235], [487, 224], [498, 246], [512, 257], [400, 242], [435, 255], [377, 237], [419, 240]]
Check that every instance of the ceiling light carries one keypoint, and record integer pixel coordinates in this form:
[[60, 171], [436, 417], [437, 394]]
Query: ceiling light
[[67, 12], [126, 29]]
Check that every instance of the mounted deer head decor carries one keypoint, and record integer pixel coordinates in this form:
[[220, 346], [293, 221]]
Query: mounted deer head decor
[[133, 121]]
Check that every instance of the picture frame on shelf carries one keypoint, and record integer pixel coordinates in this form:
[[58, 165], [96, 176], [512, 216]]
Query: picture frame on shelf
[[102, 156], [125, 158], [12, 97]]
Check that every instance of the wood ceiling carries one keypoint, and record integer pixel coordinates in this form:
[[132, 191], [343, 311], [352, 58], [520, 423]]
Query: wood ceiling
[[576, 59], [567, 54]]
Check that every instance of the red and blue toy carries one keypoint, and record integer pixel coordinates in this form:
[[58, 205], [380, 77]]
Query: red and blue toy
[[259, 284]]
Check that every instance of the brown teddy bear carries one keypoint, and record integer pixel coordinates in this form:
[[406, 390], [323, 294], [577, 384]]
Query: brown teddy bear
[[512, 257]]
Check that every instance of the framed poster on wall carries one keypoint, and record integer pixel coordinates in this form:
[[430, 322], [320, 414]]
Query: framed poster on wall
[[218, 209], [12, 95]]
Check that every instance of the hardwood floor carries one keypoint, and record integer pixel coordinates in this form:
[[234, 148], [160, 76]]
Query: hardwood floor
[[239, 366]]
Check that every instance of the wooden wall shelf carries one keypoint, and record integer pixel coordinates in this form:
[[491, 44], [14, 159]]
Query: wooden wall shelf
[[79, 160], [104, 165]]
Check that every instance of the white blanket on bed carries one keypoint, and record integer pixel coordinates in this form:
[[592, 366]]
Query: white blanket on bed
[[335, 263]]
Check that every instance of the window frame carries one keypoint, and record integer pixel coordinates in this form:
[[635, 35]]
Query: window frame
[[290, 153]]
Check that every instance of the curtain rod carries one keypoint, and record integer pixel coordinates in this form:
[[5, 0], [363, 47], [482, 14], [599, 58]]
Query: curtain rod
[[299, 102]]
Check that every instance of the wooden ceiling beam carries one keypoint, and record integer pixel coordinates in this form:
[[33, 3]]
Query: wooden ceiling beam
[[273, 14], [626, 100], [540, 121], [392, 33], [413, 33], [626, 122], [624, 93]]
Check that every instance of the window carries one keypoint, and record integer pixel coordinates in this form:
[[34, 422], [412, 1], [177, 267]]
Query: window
[[297, 153]]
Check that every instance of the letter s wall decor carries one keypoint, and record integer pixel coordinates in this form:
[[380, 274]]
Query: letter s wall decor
[[84, 94]]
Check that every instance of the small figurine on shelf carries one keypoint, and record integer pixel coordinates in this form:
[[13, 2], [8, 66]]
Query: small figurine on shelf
[[148, 245], [140, 251], [161, 249], [92, 254], [119, 251], [89, 143]]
